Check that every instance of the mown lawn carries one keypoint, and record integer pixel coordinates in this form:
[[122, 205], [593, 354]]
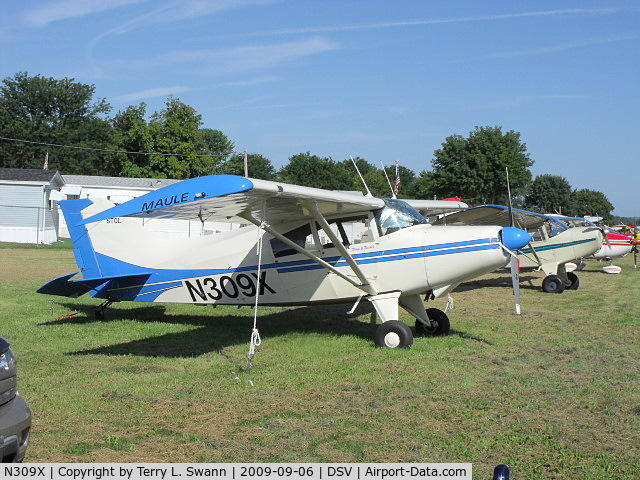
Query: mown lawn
[[554, 393]]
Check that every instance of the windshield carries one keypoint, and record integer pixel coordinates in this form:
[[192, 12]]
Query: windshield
[[557, 226], [397, 215]]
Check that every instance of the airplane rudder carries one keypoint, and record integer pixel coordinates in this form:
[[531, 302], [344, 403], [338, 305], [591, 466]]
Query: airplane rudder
[[82, 246]]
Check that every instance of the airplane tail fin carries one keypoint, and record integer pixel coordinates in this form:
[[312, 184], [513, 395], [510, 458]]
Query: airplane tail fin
[[82, 246], [98, 249]]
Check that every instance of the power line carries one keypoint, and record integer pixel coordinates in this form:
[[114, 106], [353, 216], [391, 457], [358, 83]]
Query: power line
[[102, 149]]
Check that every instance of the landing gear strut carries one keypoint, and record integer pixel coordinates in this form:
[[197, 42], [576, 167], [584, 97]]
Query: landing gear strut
[[553, 284], [574, 281], [439, 317], [394, 334], [99, 311]]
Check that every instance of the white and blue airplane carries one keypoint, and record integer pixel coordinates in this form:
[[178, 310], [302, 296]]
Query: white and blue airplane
[[311, 246]]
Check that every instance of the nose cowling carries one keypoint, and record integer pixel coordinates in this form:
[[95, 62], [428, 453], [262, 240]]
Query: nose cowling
[[514, 238]]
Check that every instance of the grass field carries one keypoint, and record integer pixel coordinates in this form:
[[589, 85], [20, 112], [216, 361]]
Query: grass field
[[554, 393]]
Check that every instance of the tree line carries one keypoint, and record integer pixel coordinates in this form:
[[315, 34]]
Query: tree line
[[40, 114]]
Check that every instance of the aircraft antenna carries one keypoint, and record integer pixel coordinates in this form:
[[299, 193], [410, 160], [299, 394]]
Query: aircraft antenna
[[511, 223], [361, 178], [384, 169]]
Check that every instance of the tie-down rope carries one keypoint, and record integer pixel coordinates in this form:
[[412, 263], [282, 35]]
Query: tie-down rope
[[255, 334]]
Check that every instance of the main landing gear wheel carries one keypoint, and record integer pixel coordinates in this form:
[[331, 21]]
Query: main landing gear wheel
[[441, 319], [553, 284], [394, 334], [574, 282]]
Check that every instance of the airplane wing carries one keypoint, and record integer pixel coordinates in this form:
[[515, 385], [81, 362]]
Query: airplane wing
[[231, 198], [493, 215], [436, 207]]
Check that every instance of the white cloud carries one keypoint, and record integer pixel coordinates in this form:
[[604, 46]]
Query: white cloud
[[150, 93], [435, 21], [245, 58], [139, 96], [64, 9], [166, 12], [560, 47], [187, 9]]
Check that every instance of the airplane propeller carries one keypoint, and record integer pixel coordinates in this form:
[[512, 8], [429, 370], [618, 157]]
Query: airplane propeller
[[605, 234], [514, 264]]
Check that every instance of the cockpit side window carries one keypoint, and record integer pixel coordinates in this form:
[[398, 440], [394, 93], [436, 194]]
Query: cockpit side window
[[556, 226], [311, 236], [396, 215], [300, 236], [350, 231]]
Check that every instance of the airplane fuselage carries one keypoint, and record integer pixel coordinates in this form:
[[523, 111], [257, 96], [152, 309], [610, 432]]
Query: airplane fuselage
[[569, 245], [224, 268]]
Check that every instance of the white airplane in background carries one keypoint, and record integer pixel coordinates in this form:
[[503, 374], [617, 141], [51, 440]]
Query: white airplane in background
[[614, 245], [553, 245], [393, 258]]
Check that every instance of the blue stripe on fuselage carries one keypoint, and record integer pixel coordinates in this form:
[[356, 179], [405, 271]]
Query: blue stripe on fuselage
[[554, 246], [418, 252], [161, 280]]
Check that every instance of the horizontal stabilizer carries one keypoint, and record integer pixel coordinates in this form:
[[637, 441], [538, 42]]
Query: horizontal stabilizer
[[64, 287]]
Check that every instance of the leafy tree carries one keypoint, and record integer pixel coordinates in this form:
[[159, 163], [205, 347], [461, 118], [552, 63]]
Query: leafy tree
[[314, 171], [40, 109], [376, 180], [424, 186], [591, 202], [176, 140], [371, 174], [259, 166], [176, 125], [474, 167], [218, 148], [133, 135], [550, 194]]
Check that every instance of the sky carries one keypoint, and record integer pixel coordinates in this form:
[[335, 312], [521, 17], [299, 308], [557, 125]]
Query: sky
[[380, 80]]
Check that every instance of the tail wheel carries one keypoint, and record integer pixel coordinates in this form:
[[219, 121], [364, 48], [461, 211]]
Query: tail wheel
[[553, 284], [574, 281], [440, 318], [394, 334]]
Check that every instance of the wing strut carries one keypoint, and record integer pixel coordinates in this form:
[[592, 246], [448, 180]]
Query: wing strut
[[365, 287]]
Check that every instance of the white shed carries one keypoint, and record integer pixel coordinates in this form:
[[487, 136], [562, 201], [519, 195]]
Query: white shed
[[28, 210]]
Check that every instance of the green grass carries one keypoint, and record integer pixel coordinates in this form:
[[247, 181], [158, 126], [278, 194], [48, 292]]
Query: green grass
[[553, 393]]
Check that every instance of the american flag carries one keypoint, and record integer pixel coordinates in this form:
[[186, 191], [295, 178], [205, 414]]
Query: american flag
[[46, 162], [397, 184]]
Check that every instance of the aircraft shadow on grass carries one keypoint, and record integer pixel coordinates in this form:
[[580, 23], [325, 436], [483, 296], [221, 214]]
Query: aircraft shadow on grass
[[215, 333], [504, 281]]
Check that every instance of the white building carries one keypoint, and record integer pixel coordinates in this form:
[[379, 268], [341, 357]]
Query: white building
[[28, 212]]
